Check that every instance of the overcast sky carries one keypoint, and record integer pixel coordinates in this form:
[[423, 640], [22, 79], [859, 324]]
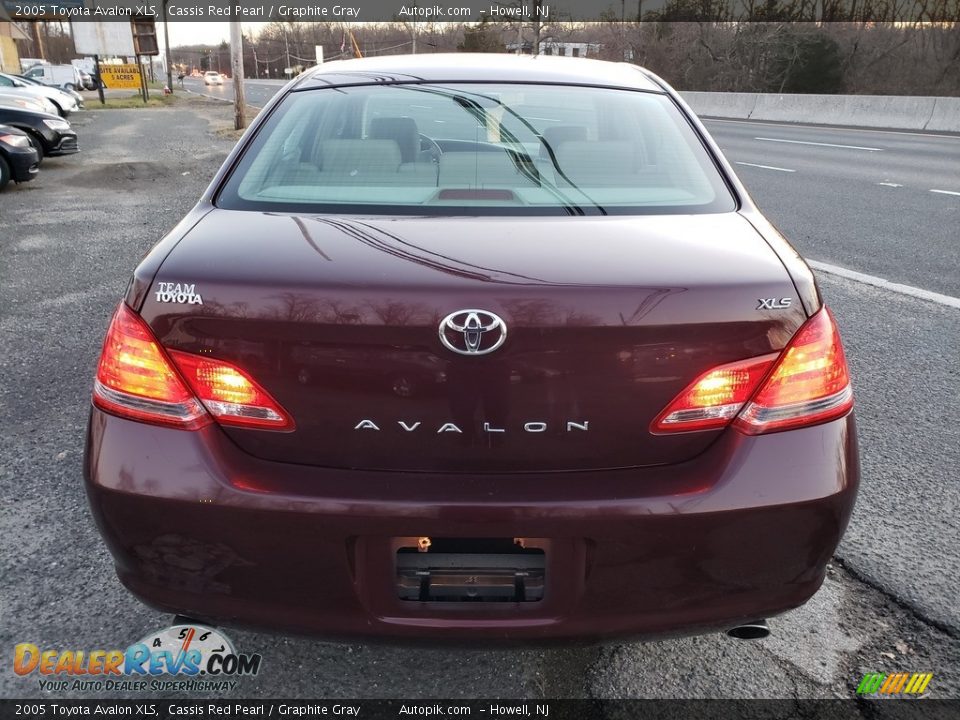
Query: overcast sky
[[208, 33]]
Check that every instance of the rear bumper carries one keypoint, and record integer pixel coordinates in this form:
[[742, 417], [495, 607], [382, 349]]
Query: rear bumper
[[199, 528]]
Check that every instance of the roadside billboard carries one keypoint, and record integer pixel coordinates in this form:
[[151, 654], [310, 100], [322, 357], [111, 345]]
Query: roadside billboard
[[106, 39]]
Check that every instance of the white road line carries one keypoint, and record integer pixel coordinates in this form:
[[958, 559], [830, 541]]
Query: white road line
[[946, 192], [765, 167], [879, 282], [835, 128], [890, 184], [807, 142]]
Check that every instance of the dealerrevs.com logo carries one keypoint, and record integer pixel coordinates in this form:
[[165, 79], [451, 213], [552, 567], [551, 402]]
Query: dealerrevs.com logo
[[182, 657]]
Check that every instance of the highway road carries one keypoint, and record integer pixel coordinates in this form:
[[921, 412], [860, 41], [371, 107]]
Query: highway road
[[890, 602]]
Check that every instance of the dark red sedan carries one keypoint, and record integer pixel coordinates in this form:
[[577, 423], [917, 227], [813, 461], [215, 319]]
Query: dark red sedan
[[474, 348]]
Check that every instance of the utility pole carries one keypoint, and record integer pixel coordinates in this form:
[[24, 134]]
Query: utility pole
[[236, 66], [38, 39], [166, 47]]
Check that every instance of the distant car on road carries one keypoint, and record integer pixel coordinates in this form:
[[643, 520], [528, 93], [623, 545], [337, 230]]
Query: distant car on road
[[309, 414], [211, 77], [49, 134], [19, 160], [64, 102]]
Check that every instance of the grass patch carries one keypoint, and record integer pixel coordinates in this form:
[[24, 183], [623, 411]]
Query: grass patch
[[157, 99]]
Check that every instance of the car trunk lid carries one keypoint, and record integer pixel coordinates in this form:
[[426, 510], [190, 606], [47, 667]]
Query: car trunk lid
[[339, 319]]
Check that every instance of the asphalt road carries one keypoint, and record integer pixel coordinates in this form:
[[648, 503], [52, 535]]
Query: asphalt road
[[69, 240], [888, 203]]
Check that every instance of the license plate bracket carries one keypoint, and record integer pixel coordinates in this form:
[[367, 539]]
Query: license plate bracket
[[470, 576]]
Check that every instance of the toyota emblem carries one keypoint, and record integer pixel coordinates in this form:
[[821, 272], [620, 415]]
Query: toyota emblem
[[472, 332]]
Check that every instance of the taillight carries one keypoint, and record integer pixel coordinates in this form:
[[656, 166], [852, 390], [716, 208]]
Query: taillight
[[807, 383], [713, 399], [231, 396], [138, 379]]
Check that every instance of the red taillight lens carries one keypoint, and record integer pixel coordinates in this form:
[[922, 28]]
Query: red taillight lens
[[135, 378], [809, 384], [806, 384], [713, 399], [231, 396]]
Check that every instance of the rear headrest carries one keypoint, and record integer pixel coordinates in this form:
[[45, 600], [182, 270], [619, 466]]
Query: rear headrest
[[554, 136], [402, 130], [356, 157], [602, 163]]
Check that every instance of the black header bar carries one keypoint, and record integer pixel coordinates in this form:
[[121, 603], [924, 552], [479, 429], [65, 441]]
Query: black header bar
[[528, 11]]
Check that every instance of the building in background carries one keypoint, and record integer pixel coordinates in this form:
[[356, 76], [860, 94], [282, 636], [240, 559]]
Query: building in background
[[9, 32], [551, 47]]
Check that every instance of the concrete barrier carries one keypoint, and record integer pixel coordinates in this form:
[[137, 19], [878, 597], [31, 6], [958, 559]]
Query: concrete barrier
[[940, 114], [724, 105], [946, 115]]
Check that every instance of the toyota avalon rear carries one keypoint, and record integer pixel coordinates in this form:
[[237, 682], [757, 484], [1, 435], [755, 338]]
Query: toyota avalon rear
[[473, 349]]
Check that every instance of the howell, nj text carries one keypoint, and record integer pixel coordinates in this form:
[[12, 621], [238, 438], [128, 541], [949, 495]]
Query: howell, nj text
[[525, 10]]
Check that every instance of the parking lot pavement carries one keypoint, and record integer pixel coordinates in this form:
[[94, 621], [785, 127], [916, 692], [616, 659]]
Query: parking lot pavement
[[68, 242]]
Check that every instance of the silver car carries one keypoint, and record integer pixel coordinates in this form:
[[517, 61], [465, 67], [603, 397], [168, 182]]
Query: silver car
[[63, 103]]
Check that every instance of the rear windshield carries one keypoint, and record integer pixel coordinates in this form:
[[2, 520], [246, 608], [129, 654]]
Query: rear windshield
[[476, 148]]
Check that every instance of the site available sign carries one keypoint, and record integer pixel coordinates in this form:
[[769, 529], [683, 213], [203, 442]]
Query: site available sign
[[106, 39], [120, 76]]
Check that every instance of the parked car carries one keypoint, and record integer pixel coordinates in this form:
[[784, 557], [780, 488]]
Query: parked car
[[65, 103], [73, 94], [66, 76], [26, 102], [49, 134], [19, 160], [640, 418], [87, 80], [212, 77]]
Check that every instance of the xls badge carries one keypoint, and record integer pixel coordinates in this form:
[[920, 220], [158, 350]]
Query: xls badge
[[183, 293], [774, 303]]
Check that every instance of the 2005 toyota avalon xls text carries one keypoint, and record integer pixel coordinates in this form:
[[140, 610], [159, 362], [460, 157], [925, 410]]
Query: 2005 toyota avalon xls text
[[467, 348]]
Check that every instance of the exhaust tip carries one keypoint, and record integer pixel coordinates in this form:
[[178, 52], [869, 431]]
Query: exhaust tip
[[753, 630]]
